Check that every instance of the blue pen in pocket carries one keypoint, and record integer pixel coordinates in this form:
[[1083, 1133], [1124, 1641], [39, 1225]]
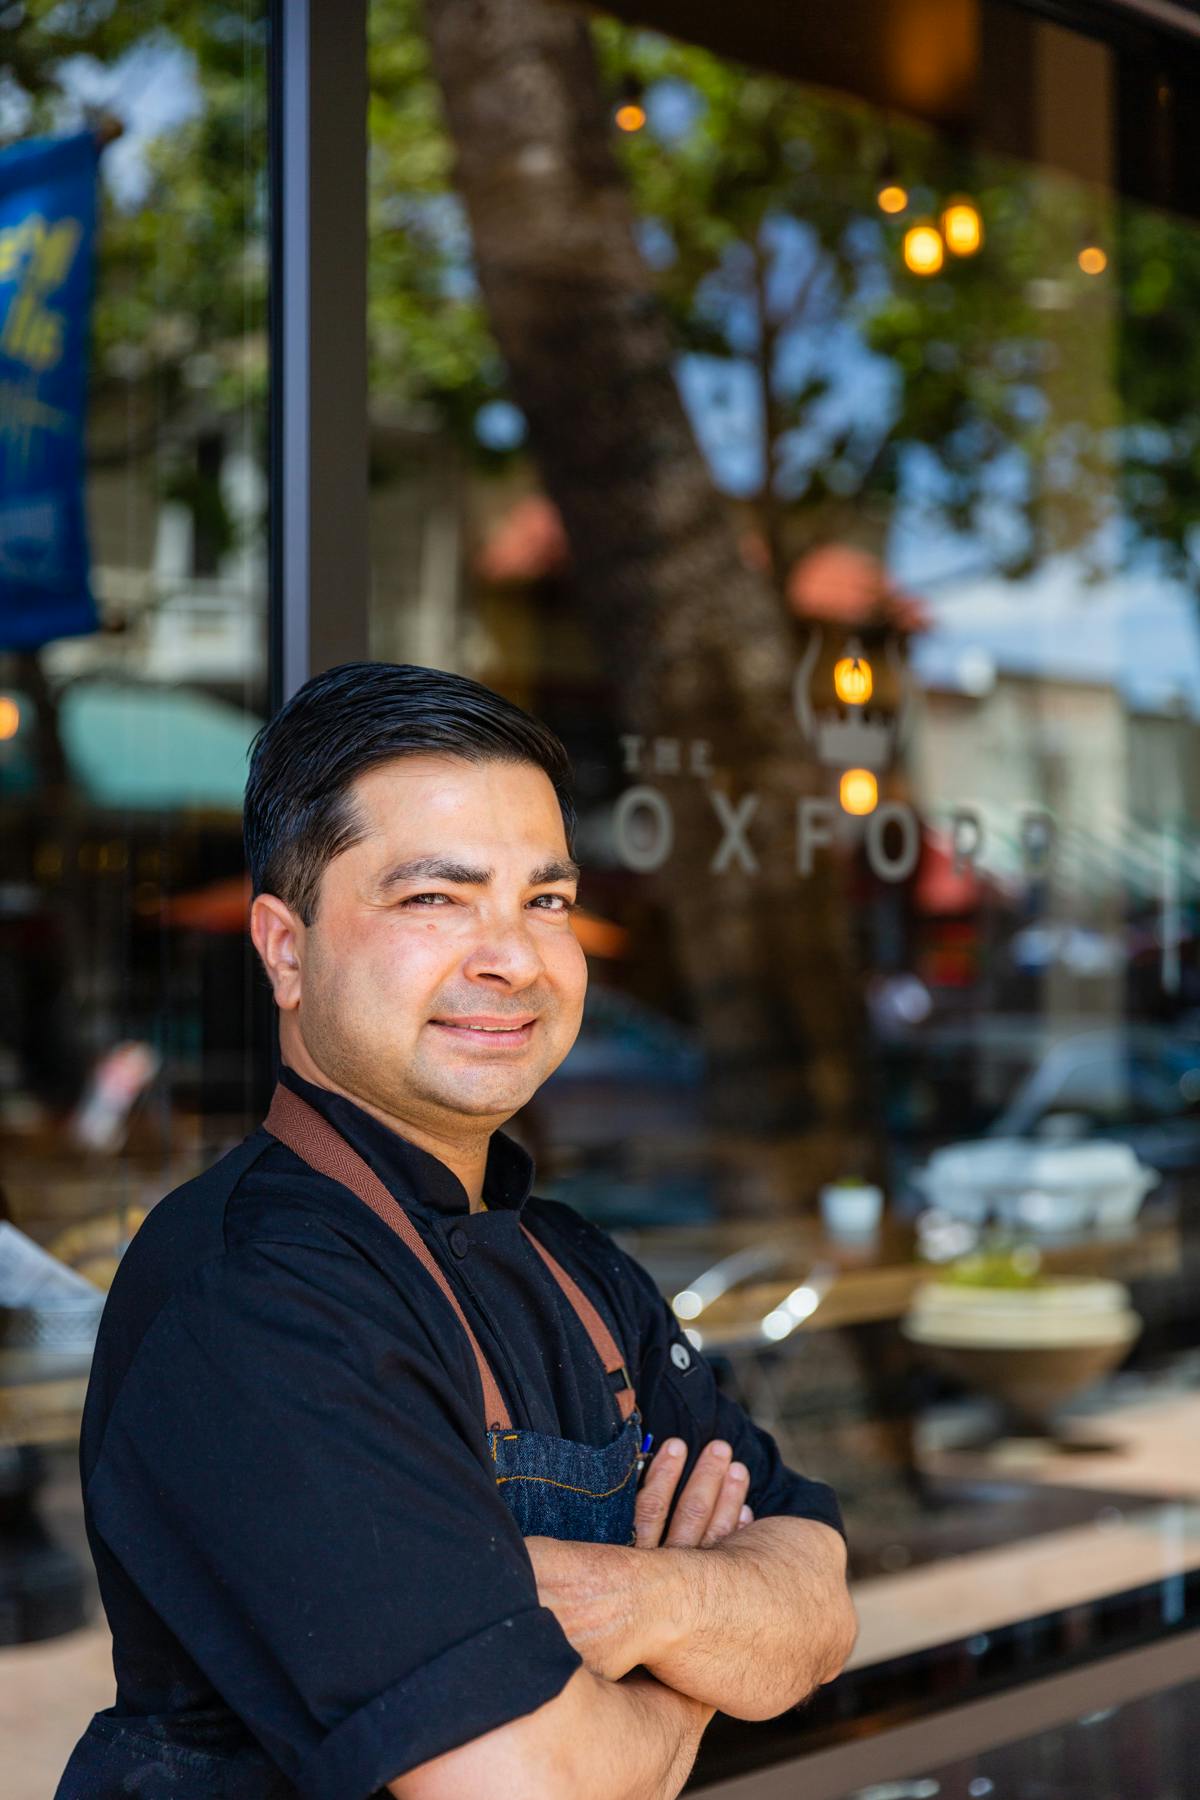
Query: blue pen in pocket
[[644, 1453]]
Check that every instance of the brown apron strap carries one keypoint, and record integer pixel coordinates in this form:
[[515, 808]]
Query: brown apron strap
[[298, 1125], [603, 1341]]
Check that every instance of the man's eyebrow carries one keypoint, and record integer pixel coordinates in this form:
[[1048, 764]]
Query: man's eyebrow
[[442, 868], [434, 868], [564, 868]]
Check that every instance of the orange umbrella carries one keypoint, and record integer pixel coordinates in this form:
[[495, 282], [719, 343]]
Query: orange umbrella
[[221, 906]]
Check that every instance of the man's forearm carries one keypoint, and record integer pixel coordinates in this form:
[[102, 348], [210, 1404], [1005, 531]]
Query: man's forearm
[[676, 1732], [597, 1740], [756, 1623], [750, 1625]]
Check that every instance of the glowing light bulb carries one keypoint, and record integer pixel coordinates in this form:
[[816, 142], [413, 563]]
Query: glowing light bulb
[[630, 116], [853, 681], [962, 227], [858, 792], [892, 198], [1092, 260], [924, 251], [10, 717]]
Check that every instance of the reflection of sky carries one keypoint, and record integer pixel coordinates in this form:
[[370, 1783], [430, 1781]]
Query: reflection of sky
[[151, 89], [724, 403], [818, 352], [673, 107], [1136, 631]]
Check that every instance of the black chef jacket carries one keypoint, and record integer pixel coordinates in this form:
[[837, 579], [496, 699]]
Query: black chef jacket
[[287, 1491]]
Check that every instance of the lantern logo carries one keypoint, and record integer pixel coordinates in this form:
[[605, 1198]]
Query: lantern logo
[[846, 735]]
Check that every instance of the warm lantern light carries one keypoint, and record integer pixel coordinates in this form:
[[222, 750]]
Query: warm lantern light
[[892, 198], [853, 681], [858, 792], [1092, 260], [962, 227], [10, 717], [630, 116], [923, 249]]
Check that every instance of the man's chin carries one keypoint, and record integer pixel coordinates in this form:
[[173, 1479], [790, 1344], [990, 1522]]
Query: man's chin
[[483, 1101]]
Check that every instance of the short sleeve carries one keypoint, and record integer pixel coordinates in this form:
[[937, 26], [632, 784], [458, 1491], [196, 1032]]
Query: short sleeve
[[679, 1397], [295, 1477]]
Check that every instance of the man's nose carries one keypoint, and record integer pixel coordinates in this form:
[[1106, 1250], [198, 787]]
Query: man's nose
[[506, 950]]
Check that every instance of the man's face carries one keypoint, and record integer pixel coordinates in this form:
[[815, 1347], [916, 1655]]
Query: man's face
[[441, 978]]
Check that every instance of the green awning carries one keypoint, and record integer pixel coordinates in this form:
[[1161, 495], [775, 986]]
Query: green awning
[[163, 749]]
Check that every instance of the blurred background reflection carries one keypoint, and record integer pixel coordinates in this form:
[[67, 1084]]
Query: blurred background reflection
[[802, 420]]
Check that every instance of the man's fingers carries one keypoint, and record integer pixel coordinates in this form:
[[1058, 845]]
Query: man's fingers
[[727, 1508], [694, 1508], [745, 1517], [711, 1506], [656, 1493]]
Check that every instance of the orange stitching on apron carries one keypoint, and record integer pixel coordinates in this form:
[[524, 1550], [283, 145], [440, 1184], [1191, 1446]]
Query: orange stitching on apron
[[566, 1485]]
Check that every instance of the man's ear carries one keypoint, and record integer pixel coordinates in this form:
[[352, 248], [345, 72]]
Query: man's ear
[[278, 935]]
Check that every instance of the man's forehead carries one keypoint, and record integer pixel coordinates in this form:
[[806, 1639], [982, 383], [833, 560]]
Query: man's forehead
[[427, 806]]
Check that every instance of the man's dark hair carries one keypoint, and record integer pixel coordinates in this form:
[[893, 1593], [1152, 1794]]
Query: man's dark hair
[[300, 812]]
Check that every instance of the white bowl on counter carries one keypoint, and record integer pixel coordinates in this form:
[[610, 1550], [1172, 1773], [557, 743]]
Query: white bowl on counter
[[1048, 1190]]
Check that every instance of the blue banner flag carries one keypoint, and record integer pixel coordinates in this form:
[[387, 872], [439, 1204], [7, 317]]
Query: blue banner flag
[[47, 230]]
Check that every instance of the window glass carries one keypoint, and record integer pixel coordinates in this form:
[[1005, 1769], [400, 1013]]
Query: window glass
[[133, 675], [809, 438]]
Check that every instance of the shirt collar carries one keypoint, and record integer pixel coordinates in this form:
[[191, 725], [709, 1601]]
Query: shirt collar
[[414, 1175]]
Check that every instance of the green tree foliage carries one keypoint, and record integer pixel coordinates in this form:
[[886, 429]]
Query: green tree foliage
[[181, 285], [430, 344], [1019, 398], [1013, 396]]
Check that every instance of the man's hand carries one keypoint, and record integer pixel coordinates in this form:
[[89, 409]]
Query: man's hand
[[751, 1626], [711, 1505], [609, 1602], [595, 1593]]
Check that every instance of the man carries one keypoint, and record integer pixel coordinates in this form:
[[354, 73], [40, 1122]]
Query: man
[[363, 1439]]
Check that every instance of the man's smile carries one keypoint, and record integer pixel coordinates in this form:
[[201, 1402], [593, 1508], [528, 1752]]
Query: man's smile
[[489, 1032]]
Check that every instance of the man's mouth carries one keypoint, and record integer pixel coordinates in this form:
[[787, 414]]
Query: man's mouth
[[496, 1032]]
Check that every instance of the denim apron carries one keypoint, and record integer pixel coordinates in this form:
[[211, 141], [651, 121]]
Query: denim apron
[[552, 1486]]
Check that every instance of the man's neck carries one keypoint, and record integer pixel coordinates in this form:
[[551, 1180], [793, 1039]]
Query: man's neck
[[465, 1158]]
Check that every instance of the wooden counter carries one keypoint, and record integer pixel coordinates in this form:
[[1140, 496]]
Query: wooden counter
[[864, 1291]]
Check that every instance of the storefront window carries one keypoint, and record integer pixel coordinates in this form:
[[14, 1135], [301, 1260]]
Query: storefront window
[[818, 455], [133, 663]]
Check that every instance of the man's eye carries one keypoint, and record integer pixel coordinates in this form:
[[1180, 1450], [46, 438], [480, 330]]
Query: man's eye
[[563, 903], [420, 899]]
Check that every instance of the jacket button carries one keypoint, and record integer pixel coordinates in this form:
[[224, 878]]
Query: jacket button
[[460, 1243]]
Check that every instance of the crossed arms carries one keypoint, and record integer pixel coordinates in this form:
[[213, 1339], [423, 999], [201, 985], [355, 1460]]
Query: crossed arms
[[728, 1613]]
